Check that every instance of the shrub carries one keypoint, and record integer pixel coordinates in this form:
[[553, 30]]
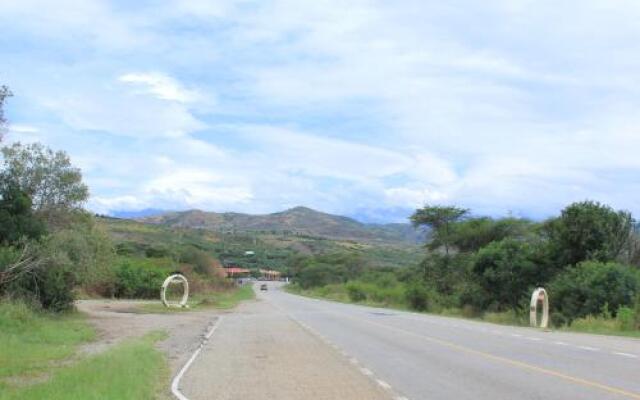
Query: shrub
[[587, 288], [418, 296], [626, 318], [139, 279], [202, 262], [356, 291], [55, 286], [44, 276], [157, 252], [388, 295], [506, 271]]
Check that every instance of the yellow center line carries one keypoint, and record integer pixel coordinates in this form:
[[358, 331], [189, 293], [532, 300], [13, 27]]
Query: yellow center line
[[519, 364]]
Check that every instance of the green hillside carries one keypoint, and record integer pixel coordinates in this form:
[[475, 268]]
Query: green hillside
[[295, 221], [271, 249]]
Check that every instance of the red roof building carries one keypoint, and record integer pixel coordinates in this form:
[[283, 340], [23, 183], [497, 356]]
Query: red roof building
[[237, 272]]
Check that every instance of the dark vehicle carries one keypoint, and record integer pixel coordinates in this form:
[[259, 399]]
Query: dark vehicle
[[264, 287]]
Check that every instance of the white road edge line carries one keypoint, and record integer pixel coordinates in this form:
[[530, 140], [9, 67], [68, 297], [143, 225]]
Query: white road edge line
[[625, 354], [588, 348], [383, 384], [365, 371], [176, 380]]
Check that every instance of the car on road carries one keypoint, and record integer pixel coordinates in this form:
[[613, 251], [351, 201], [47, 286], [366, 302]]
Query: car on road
[[264, 287]]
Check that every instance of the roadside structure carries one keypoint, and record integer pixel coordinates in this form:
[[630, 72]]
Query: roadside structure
[[270, 275], [237, 272]]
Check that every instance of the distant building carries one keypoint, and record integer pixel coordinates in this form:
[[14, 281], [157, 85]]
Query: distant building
[[237, 272], [270, 275]]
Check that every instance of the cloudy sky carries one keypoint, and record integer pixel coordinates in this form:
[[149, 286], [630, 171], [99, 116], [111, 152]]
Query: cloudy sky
[[362, 108]]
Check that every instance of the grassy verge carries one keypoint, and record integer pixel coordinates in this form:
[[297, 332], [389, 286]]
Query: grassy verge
[[134, 370], [36, 360], [592, 324], [600, 325], [218, 300], [31, 342]]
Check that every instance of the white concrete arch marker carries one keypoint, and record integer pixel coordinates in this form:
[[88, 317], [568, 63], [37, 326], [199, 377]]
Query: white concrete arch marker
[[539, 295], [175, 278]]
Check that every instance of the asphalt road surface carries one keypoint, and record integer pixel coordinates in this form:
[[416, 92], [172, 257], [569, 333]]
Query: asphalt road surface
[[421, 356]]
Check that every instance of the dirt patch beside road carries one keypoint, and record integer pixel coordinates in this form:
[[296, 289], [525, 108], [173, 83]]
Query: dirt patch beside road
[[117, 320]]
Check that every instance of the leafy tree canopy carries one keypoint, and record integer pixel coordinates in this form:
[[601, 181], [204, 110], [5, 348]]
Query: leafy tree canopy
[[47, 177], [590, 287], [474, 233], [506, 270], [588, 231], [17, 220], [440, 219]]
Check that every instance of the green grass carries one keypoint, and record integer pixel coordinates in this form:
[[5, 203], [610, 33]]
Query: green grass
[[30, 342], [134, 370], [600, 325], [223, 300]]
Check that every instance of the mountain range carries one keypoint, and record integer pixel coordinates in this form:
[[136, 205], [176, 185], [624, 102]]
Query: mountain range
[[297, 220]]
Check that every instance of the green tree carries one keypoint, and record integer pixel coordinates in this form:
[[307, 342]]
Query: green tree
[[86, 250], [47, 177], [506, 271], [588, 231], [587, 288], [17, 221], [441, 220], [4, 94], [472, 234]]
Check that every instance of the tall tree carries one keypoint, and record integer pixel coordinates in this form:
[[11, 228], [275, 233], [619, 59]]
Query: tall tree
[[440, 219], [54, 186], [4, 94], [588, 231]]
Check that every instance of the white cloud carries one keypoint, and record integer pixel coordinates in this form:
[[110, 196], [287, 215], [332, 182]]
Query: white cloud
[[109, 110], [20, 128], [161, 86], [496, 105], [408, 197]]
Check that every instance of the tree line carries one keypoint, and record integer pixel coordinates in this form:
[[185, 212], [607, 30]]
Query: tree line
[[588, 259]]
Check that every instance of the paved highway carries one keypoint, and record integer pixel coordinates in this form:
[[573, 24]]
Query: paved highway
[[419, 356]]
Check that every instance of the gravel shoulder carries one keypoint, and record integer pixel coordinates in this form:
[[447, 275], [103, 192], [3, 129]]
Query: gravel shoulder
[[259, 352]]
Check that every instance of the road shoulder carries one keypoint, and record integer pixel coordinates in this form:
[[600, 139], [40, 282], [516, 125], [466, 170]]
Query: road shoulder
[[259, 352]]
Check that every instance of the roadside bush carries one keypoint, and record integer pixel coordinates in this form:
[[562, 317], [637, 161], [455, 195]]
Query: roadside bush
[[203, 263], [356, 291], [589, 287], [506, 271], [389, 295], [89, 254], [472, 297], [54, 285], [319, 274], [41, 275], [139, 279], [418, 296], [626, 318]]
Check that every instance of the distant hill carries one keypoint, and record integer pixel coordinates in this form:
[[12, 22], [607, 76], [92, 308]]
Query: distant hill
[[298, 220]]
